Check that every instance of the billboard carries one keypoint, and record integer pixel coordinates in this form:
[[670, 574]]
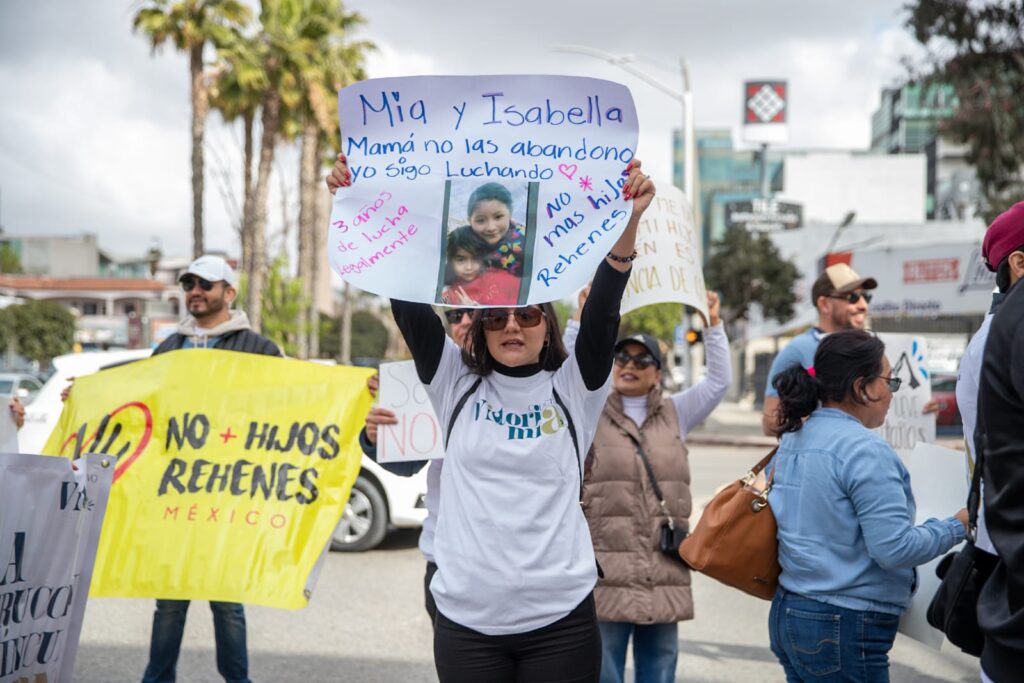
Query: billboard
[[764, 215]]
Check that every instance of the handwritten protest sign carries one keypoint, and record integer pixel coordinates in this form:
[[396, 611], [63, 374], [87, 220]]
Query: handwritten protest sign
[[480, 190], [418, 435], [906, 425], [8, 434], [225, 493], [667, 268], [936, 478], [49, 528]]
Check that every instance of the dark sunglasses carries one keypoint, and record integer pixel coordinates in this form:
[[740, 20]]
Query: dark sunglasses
[[894, 383], [641, 361], [190, 281], [852, 297], [454, 315], [494, 320]]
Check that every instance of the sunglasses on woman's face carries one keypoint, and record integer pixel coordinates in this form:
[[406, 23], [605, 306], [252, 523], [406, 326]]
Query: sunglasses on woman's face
[[190, 281], [454, 315], [852, 297], [495, 320], [641, 361], [894, 383]]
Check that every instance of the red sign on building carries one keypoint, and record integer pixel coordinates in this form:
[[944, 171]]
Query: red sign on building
[[931, 270]]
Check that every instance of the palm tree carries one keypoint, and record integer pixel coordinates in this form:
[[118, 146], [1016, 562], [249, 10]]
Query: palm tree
[[190, 25], [236, 94], [337, 62]]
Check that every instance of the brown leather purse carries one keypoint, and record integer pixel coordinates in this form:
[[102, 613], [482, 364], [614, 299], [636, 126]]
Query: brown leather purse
[[735, 540]]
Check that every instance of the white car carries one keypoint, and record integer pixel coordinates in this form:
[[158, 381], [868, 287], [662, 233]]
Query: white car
[[379, 500]]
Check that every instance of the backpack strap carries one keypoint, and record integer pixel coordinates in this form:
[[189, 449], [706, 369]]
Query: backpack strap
[[458, 409], [572, 433]]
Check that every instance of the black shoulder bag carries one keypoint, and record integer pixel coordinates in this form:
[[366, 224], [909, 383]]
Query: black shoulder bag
[[954, 608], [671, 534]]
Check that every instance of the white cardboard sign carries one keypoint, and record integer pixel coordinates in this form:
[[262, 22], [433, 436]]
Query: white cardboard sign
[[667, 268], [418, 434], [937, 480], [906, 425], [480, 190], [50, 521]]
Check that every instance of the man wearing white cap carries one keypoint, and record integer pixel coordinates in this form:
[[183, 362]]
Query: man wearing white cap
[[209, 285], [841, 297]]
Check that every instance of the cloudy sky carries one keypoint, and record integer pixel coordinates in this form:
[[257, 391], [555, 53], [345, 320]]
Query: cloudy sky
[[94, 129]]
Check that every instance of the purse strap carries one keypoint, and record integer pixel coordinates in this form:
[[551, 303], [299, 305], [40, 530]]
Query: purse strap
[[974, 495], [654, 479]]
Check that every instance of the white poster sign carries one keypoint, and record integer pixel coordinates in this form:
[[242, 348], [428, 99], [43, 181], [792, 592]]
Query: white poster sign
[[906, 425], [50, 520], [8, 431], [936, 478], [418, 434], [667, 268], [480, 190]]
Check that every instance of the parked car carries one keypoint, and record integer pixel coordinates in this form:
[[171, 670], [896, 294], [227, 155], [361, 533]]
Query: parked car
[[944, 391], [379, 501], [19, 384]]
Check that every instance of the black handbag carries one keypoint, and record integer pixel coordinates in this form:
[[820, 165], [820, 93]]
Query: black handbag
[[671, 534], [954, 608]]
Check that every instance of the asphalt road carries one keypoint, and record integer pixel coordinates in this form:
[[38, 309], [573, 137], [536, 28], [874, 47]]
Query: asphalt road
[[366, 623]]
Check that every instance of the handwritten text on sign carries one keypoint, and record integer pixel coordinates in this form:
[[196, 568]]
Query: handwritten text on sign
[[906, 425], [410, 141], [668, 265], [418, 435]]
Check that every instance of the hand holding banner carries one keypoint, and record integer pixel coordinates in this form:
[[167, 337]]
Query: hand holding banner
[[483, 190], [226, 490], [667, 268]]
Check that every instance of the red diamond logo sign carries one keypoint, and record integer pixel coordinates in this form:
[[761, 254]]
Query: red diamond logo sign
[[765, 102]]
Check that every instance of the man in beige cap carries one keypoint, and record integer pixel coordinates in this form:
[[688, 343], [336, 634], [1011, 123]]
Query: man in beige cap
[[841, 297]]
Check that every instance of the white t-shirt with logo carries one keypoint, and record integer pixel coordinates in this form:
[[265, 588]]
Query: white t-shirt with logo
[[512, 546]]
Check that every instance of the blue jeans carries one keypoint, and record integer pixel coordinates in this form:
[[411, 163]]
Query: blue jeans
[[169, 626], [825, 643], [655, 651]]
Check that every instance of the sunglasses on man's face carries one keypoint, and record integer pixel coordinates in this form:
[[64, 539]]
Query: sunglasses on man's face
[[641, 361], [495, 320], [852, 297], [454, 315], [189, 281]]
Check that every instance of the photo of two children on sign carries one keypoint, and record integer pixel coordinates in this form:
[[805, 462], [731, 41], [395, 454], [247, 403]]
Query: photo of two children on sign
[[489, 232]]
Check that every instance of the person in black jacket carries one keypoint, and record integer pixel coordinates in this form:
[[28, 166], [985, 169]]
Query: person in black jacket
[[999, 436]]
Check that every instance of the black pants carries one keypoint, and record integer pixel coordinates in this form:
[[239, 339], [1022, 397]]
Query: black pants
[[567, 651], [428, 597]]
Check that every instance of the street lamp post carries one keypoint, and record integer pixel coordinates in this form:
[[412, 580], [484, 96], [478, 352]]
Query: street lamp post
[[685, 98]]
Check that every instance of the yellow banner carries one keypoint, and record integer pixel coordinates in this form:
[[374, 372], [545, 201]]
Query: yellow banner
[[233, 471]]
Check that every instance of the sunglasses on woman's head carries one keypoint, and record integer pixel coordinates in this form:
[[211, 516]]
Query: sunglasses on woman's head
[[641, 361], [190, 281], [495, 320], [852, 297], [454, 315]]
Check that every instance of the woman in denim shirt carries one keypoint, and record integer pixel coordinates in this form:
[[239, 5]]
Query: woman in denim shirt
[[841, 496]]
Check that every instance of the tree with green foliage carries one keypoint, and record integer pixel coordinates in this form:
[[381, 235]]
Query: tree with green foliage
[[657, 320], [978, 49], [746, 268], [190, 25], [282, 303], [10, 262], [38, 330], [369, 336]]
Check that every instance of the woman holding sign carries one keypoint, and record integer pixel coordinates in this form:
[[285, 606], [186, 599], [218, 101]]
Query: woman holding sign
[[516, 566], [841, 497]]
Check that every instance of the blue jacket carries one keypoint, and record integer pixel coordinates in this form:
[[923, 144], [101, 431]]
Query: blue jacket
[[845, 511]]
